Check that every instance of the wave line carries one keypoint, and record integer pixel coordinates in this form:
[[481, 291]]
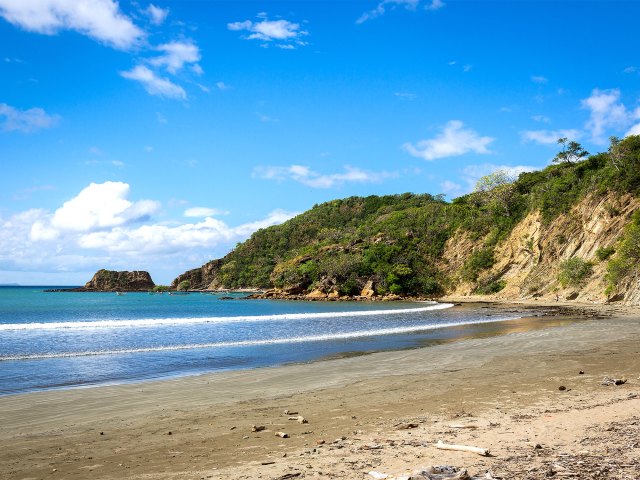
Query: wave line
[[154, 322], [274, 341]]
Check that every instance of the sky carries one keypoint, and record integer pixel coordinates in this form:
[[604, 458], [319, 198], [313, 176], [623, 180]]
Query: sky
[[156, 136]]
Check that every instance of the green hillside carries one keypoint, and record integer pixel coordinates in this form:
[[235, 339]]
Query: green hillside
[[397, 241]]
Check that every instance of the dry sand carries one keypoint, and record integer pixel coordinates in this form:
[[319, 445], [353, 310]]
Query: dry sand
[[507, 386]]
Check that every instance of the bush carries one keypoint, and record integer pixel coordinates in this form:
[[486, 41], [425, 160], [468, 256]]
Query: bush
[[160, 288], [184, 286], [627, 259], [490, 287], [604, 252], [478, 261], [574, 272]]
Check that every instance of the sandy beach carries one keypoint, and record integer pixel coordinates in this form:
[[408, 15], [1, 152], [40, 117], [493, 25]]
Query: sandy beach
[[382, 412]]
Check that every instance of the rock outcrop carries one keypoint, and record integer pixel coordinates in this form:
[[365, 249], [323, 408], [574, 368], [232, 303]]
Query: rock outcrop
[[528, 260], [203, 278], [112, 281]]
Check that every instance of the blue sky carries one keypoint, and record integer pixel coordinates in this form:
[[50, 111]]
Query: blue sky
[[155, 136]]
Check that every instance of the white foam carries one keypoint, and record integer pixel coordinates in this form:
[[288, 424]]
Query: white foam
[[275, 341], [155, 322]]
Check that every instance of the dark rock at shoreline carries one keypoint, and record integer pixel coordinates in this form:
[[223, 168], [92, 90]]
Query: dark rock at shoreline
[[112, 281]]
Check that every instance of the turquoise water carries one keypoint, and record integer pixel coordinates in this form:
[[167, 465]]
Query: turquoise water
[[66, 339]]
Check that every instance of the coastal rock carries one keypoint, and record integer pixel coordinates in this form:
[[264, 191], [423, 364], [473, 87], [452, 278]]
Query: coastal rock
[[367, 290], [316, 295], [203, 278], [112, 281]]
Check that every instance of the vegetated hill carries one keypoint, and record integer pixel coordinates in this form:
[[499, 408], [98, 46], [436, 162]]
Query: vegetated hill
[[572, 230]]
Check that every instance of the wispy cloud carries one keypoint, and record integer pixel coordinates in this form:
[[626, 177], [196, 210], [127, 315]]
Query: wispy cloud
[[282, 33], [411, 5], [606, 111], [539, 79], [201, 212], [549, 137], [26, 121], [405, 95], [304, 175], [454, 140], [101, 20], [177, 55], [157, 15], [153, 84]]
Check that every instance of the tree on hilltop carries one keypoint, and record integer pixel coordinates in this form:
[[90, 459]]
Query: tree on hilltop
[[571, 152]]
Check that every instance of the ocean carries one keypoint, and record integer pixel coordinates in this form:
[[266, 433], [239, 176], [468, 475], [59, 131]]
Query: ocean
[[63, 339]]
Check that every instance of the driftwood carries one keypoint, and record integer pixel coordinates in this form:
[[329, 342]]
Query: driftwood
[[463, 448], [458, 425], [613, 381], [300, 419]]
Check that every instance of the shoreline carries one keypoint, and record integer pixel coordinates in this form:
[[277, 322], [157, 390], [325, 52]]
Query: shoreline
[[528, 315], [209, 416]]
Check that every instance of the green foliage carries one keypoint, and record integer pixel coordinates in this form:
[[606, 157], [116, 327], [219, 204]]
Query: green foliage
[[571, 151], [604, 253], [183, 286], [478, 261], [491, 287], [161, 288], [398, 240], [626, 263], [574, 271]]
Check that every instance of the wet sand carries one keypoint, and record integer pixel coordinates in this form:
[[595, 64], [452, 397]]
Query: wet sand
[[200, 427]]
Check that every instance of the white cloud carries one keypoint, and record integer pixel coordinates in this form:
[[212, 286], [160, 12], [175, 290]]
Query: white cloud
[[411, 5], [541, 118], [606, 112], [101, 205], [153, 84], [176, 55], [101, 20], [201, 212], [549, 137], [630, 69], [635, 130], [539, 79], [434, 5], [304, 175], [165, 238], [450, 188], [95, 230], [222, 86], [454, 140], [284, 33], [26, 121], [156, 15]]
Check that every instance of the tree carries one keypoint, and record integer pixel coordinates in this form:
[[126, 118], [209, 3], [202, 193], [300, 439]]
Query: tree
[[184, 286], [571, 152], [617, 152], [496, 190]]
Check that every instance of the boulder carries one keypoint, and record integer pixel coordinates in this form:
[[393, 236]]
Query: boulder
[[112, 281], [367, 290]]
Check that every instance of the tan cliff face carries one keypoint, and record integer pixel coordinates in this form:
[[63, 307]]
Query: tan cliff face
[[528, 260]]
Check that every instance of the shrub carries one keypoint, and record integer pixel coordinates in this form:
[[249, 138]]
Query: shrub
[[574, 272], [478, 261], [627, 259], [604, 252], [184, 286]]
